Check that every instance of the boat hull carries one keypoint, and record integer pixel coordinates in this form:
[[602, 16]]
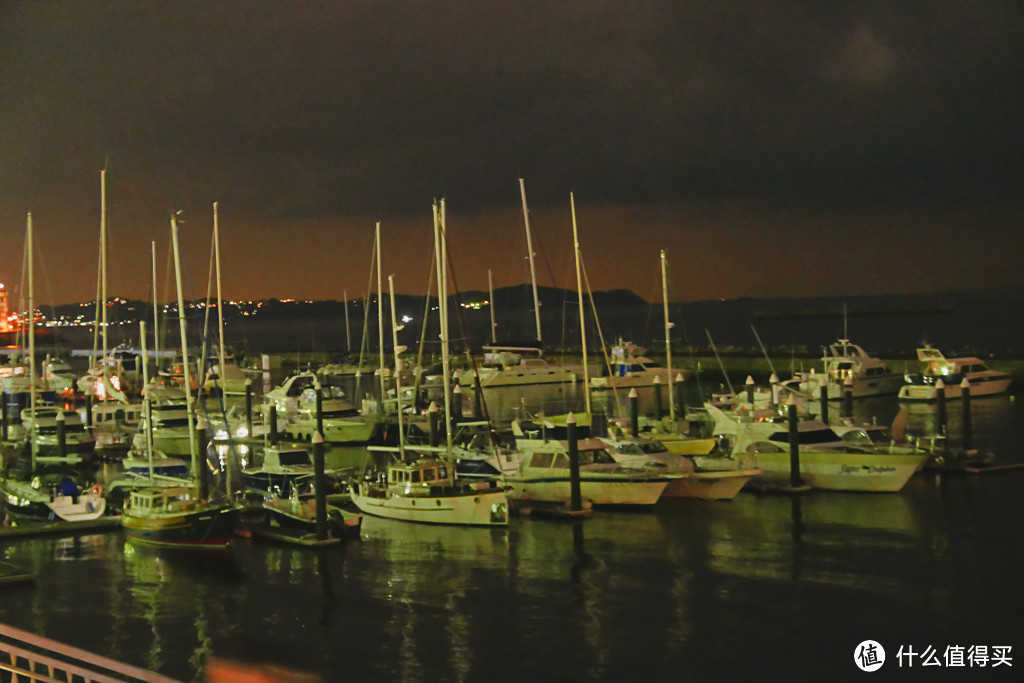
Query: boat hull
[[639, 491], [483, 506], [722, 485], [206, 527], [979, 387], [839, 471]]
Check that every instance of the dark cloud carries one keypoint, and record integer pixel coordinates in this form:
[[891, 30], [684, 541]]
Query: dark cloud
[[330, 110]]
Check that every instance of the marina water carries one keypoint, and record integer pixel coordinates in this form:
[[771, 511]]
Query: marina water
[[759, 588]]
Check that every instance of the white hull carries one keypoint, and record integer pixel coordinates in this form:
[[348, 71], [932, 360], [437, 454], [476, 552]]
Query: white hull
[[356, 430], [600, 491], [710, 485], [979, 387], [509, 378], [484, 507], [838, 471], [638, 379]]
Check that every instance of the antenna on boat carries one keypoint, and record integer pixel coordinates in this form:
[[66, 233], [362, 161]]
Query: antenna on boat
[[490, 305], [529, 254]]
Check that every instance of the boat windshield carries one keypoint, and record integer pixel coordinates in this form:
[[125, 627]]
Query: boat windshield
[[810, 436]]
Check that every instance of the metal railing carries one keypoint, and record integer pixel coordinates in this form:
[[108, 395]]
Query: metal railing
[[26, 658]]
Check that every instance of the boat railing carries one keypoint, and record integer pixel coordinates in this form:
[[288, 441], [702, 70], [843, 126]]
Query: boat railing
[[26, 656]]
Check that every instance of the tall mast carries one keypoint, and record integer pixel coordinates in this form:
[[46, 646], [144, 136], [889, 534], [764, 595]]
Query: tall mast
[[668, 339], [31, 338], [156, 311], [348, 336], [442, 309], [103, 255], [398, 365], [146, 412], [579, 289], [380, 320], [184, 354], [220, 300], [529, 254], [490, 305]]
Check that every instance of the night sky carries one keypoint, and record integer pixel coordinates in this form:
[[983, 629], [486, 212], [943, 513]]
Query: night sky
[[772, 149]]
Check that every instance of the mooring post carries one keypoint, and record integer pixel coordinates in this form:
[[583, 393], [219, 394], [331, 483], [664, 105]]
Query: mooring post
[[657, 398], [773, 382], [794, 444], [89, 399], [62, 436], [750, 391], [965, 390], [822, 395], [575, 496], [456, 405], [634, 413], [272, 435], [201, 446], [680, 397], [940, 407], [434, 417], [248, 407], [848, 397], [319, 413], [321, 489]]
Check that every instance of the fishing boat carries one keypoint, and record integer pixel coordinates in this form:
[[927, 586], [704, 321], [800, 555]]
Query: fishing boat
[[180, 516], [420, 484], [952, 373], [282, 465], [295, 514]]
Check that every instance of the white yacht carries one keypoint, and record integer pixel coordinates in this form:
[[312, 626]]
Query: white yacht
[[983, 380], [631, 368], [845, 363], [516, 365]]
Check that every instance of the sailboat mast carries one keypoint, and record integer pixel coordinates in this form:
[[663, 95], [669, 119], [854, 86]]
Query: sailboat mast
[[220, 300], [348, 336], [442, 309], [146, 412], [380, 320], [668, 339], [398, 366], [184, 354], [31, 338], [103, 255], [156, 311], [579, 290], [490, 305], [529, 254]]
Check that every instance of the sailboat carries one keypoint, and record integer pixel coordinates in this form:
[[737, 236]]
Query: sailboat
[[543, 472], [181, 516], [516, 365], [420, 484], [58, 489]]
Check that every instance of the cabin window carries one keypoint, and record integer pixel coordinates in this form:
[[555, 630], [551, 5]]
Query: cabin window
[[561, 460], [542, 459], [416, 476]]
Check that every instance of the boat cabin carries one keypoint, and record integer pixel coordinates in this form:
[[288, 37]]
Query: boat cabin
[[161, 499]]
